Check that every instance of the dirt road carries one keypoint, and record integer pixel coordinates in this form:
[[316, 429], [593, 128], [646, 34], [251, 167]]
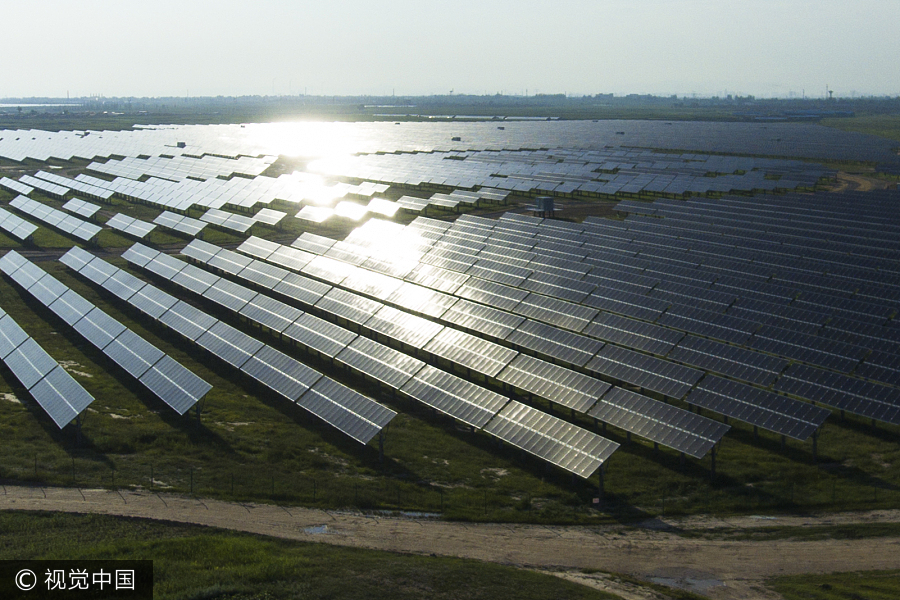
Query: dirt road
[[716, 568]]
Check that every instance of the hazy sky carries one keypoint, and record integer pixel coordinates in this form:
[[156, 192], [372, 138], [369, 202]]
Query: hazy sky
[[348, 47]]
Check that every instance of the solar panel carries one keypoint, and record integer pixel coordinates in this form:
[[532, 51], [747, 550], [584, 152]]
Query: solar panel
[[97, 270], [150, 300], [281, 373], [555, 343], [200, 250], [352, 413], [470, 352], [174, 384], [258, 247], [27, 275], [856, 396], [456, 397], [76, 258], [656, 421], [381, 363], [551, 382], [403, 327], [195, 279], [61, 396], [164, 265], [133, 353], [271, 313], [302, 289], [348, 306], [318, 335], [563, 444], [738, 363], [229, 344], [47, 289], [481, 319], [758, 407], [633, 333], [11, 336], [140, 255], [185, 319], [99, 328], [70, 307], [644, 371], [229, 294], [30, 363]]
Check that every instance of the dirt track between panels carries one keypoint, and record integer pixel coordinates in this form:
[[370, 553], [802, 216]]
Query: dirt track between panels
[[716, 568]]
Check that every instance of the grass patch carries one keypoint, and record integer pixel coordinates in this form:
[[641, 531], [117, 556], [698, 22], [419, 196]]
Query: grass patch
[[887, 126], [856, 531], [199, 562], [864, 585]]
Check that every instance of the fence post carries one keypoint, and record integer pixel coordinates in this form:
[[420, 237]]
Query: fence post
[[73, 469], [192, 480], [151, 476]]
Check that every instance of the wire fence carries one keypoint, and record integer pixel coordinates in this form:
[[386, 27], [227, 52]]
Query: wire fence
[[361, 492]]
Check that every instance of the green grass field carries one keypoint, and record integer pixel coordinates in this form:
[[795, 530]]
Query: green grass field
[[866, 585], [884, 125], [192, 562]]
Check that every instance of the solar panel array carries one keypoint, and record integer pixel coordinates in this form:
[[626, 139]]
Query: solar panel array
[[81, 208], [56, 218], [266, 140], [361, 355], [61, 397], [51, 189], [82, 187], [170, 381], [130, 226], [350, 412], [183, 167], [570, 172], [16, 187], [15, 226], [180, 223], [624, 357], [393, 317]]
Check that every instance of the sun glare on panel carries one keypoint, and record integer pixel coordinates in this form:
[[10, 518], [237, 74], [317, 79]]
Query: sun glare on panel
[[350, 210]]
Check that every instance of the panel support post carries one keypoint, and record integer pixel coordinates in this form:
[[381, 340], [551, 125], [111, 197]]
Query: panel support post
[[815, 438], [197, 409], [783, 443], [600, 486], [755, 433], [381, 447], [78, 421], [712, 466]]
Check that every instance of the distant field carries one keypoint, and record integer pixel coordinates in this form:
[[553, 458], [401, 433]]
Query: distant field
[[884, 125], [196, 562]]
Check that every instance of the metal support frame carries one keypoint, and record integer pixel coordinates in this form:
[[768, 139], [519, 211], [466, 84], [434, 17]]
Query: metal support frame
[[79, 419]]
